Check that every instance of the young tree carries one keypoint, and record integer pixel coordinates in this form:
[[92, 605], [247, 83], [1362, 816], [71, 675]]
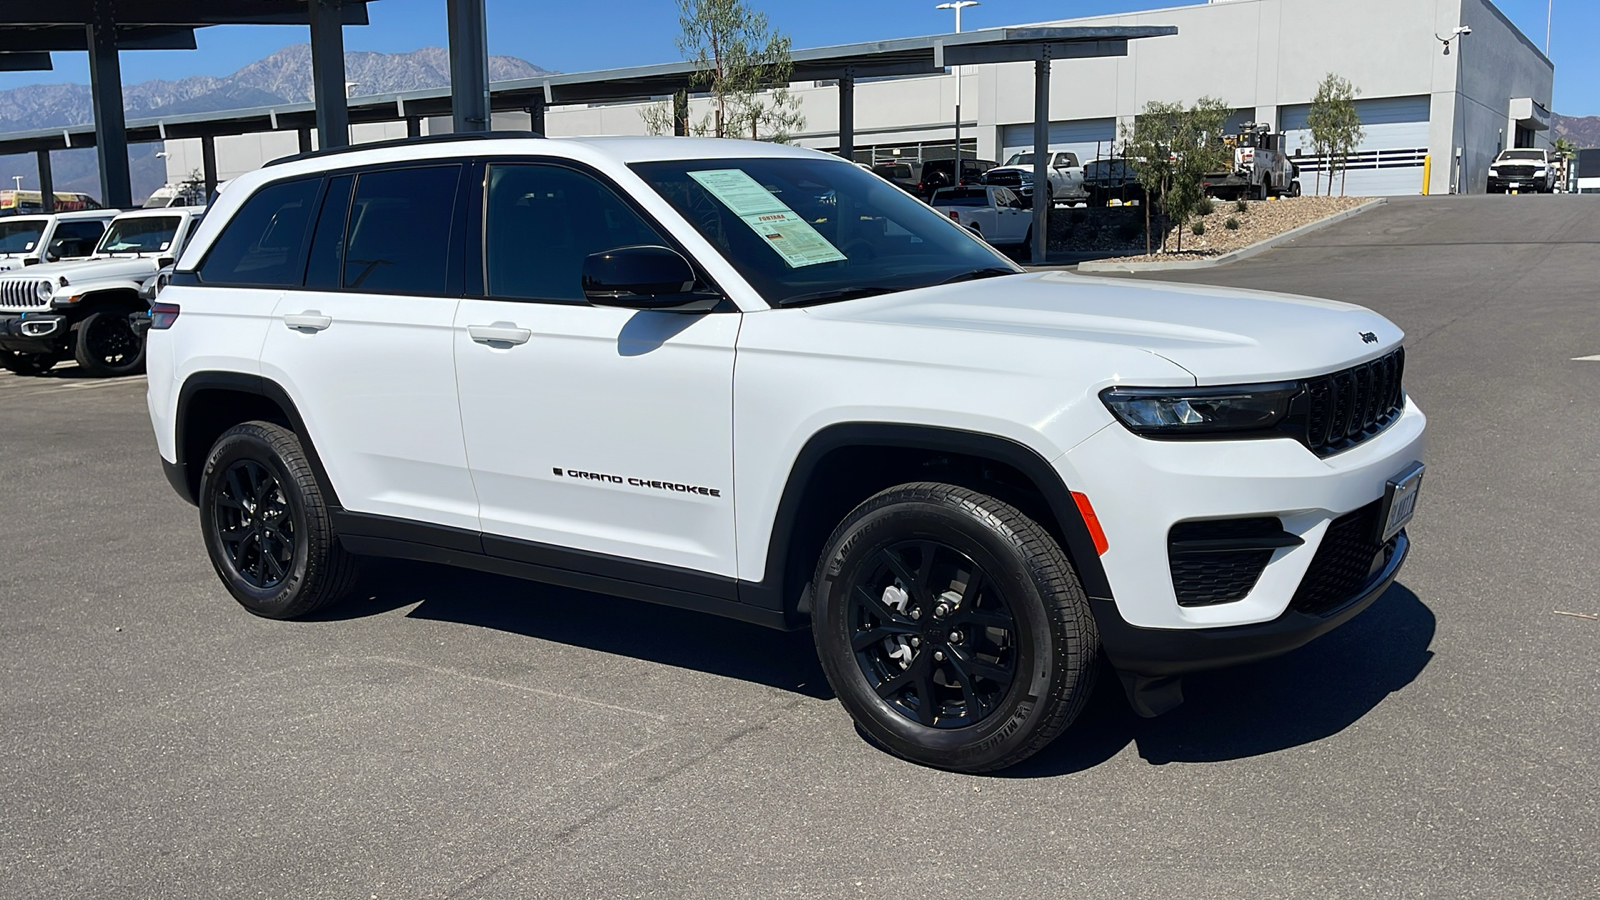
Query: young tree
[[1335, 126], [743, 64], [1172, 148]]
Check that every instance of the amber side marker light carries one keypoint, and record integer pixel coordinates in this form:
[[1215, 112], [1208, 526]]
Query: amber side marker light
[[1096, 533]]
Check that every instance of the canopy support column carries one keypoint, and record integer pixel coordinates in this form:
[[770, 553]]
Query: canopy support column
[[47, 182], [208, 163], [110, 124], [847, 114], [1041, 147], [327, 74], [469, 66]]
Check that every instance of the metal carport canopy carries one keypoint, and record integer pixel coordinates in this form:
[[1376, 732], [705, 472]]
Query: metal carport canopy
[[30, 31], [845, 63]]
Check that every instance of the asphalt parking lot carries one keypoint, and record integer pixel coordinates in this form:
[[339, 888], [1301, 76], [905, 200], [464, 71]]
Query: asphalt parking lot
[[453, 734]]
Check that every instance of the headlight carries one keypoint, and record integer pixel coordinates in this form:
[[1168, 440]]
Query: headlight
[[1494, 173], [1181, 412], [44, 291]]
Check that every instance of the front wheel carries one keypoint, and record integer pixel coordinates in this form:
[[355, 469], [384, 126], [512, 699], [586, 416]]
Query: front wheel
[[952, 627], [266, 526], [1294, 188], [107, 346]]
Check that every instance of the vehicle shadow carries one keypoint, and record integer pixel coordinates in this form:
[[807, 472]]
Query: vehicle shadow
[[673, 637], [1307, 695]]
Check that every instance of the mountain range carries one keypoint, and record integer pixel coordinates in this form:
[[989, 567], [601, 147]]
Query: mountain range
[[1584, 132], [283, 77]]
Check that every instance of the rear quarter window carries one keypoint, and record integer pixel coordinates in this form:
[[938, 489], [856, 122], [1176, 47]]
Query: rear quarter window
[[263, 243]]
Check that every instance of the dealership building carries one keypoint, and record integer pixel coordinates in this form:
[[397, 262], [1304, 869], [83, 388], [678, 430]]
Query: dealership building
[[1443, 82]]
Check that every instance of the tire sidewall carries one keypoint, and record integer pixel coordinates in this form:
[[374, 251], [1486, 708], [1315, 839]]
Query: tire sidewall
[[1019, 713], [245, 443]]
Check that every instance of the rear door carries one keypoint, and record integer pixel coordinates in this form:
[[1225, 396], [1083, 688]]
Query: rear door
[[364, 347]]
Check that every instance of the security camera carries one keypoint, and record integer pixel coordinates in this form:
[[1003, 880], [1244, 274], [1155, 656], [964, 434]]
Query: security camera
[[1464, 29]]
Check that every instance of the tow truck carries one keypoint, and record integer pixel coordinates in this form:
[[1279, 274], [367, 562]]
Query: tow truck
[[1260, 168]]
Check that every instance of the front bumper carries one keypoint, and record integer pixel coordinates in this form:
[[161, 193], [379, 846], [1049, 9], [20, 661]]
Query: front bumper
[[33, 332], [1531, 184], [1141, 488]]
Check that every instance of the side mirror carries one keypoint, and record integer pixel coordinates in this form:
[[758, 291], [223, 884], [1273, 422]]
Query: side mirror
[[165, 261], [643, 277]]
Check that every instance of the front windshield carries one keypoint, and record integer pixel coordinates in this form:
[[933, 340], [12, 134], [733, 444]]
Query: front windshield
[[1020, 159], [20, 236], [146, 234], [1523, 154], [810, 230]]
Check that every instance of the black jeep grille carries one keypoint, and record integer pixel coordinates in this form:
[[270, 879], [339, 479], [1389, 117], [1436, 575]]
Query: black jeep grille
[[1346, 408], [1345, 564], [1218, 576]]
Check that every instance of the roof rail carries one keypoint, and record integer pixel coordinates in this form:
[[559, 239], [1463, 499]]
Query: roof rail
[[407, 142]]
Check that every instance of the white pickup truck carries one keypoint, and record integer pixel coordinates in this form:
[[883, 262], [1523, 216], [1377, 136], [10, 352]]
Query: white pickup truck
[[50, 237], [1066, 176], [1524, 170], [995, 214]]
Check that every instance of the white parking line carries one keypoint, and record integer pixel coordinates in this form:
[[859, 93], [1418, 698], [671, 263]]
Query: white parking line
[[1595, 358]]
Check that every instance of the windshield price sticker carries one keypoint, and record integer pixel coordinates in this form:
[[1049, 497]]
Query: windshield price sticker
[[785, 232]]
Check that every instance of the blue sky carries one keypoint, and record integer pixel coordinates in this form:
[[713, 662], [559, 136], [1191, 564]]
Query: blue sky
[[600, 34]]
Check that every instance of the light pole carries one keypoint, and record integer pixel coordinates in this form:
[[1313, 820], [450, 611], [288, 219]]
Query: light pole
[[958, 6], [1549, 15], [18, 180]]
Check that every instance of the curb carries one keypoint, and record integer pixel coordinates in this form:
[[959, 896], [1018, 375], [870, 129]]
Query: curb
[[1233, 256]]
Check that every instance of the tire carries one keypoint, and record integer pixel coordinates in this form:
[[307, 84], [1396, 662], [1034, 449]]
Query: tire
[[27, 364], [287, 563], [107, 346], [1294, 188], [1016, 645]]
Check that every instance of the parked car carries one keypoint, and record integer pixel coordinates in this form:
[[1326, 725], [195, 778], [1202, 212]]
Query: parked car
[[995, 214], [1108, 179], [968, 480], [171, 195], [938, 173], [1524, 170], [905, 173], [50, 237], [82, 308], [1066, 176]]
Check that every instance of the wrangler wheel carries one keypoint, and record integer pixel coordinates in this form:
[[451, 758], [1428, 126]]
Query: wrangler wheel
[[953, 628], [107, 345]]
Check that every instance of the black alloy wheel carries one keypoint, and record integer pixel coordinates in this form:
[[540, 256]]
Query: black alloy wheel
[[933, 635], [107, 344], [266, 526], [254, 524], [952, 627]]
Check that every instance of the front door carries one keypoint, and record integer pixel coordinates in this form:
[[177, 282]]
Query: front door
[[365, 349], [600, 430]]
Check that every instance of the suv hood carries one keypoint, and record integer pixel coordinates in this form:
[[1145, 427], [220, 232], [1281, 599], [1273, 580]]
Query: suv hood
[[1220, 335], [97, 268]]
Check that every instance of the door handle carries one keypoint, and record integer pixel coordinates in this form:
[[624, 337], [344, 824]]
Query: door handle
[[499, 333], [310, 320]]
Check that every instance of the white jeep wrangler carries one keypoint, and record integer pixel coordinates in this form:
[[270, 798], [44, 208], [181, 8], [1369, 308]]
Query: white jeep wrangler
[[50, 237], [757, 381], [86, 308]]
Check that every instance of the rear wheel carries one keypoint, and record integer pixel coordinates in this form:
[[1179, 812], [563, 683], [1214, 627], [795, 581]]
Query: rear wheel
[[952, 627], [107, 345], [1294, 188], [266, 526], [27, 363]]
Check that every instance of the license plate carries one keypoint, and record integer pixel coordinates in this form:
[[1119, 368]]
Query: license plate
[[1515, 184], [1400, 501]]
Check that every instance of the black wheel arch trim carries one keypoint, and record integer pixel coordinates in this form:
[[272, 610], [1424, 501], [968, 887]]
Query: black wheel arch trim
[[187, 471], [770, 592]]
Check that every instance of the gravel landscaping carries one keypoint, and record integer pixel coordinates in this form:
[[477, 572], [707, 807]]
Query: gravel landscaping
[[1119, 231]]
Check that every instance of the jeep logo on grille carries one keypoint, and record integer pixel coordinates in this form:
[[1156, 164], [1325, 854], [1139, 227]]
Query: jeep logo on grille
[[1368, 337]]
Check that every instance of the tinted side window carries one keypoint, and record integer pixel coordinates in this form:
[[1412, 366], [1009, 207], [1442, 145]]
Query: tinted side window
[[72, 239], [540, 222], [327, 244], [398, 237], [262, 243]]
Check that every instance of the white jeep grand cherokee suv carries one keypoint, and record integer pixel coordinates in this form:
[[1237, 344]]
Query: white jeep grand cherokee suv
[[758, 381]]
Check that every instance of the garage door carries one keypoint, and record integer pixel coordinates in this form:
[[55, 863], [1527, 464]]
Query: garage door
[[1387, 162], [1089, 138]]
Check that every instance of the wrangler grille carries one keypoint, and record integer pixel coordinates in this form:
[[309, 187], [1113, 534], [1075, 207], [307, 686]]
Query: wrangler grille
[[20, 293], [1348, 407]]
